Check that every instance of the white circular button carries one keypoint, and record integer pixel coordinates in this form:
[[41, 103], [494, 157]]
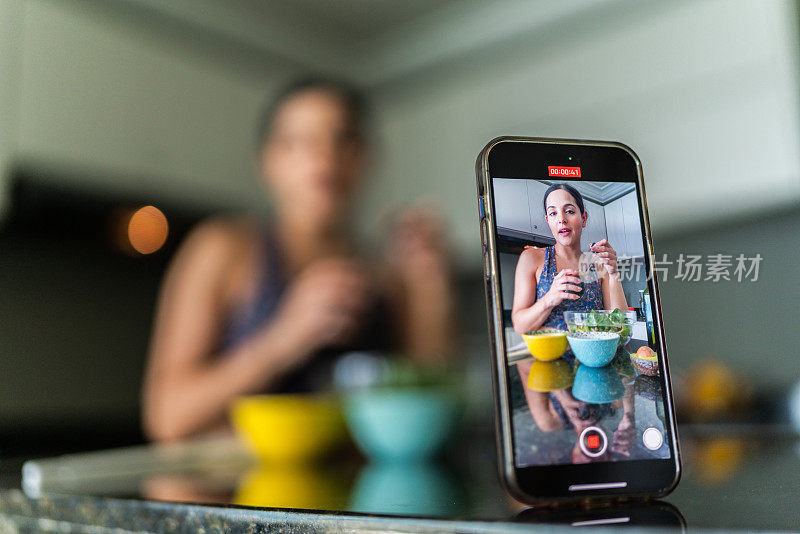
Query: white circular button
[[653, 439]]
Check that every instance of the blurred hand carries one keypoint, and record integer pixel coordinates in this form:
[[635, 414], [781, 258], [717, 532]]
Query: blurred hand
[[624, 436], [607, 255], [572, 408], [324, 305], [417, 245], [565, 280]]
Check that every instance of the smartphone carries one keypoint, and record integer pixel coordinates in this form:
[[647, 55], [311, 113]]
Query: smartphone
[[583, 400]]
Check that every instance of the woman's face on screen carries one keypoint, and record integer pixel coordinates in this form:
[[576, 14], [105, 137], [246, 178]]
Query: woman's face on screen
[[312, 160], [564, 217]]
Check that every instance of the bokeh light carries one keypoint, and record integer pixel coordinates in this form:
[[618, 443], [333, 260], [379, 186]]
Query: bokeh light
[[147, 230]]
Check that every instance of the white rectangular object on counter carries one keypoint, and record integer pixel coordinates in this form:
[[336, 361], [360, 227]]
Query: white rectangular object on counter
[[639, 331]]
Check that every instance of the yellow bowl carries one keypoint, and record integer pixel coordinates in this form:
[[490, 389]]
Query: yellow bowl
[[546, 345], [289, 429], [550, 376]]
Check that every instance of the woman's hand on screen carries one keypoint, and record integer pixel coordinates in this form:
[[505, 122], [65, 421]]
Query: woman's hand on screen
[[606, 255], [565, 286]]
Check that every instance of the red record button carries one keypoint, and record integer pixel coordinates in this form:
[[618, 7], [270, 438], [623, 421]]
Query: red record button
[[593, 441]]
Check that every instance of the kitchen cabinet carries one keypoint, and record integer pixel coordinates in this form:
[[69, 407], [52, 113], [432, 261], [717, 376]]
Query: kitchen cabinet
[[595, 225], [615, 227], [623, 226], [633, 226], [519, 207], [536, 192], [511, 204]]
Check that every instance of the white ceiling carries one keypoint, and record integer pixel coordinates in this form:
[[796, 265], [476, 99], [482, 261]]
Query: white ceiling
[[600, 192], [358, 19], [369, 41]]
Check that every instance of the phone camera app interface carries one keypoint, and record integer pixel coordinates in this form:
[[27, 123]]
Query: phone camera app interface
[[582, 354]]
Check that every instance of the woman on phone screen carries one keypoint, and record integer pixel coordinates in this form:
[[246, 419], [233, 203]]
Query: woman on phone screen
[[546, 284], [546, 281]]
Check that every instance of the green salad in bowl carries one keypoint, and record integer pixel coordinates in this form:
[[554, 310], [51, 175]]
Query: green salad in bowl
[[600, 321]]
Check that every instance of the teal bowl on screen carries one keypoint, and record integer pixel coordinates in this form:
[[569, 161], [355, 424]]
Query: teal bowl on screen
[[401, 424], [597, 385], [594, 349]]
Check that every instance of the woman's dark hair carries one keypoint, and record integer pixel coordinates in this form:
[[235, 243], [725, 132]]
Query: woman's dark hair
[[569, 189], [352, 99]]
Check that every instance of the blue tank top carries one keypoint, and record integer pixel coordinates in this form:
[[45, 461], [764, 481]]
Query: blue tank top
[[376, 333], [263, 304], [591, 298]]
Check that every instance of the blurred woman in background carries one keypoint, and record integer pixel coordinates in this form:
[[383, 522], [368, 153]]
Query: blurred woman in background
[[247, 308]]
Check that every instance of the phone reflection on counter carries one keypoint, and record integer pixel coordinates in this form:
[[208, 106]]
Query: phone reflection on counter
[[562, 398], [634, 515]]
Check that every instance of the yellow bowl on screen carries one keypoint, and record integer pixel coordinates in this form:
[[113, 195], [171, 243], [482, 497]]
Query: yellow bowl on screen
[[289, 429], [546, 345], [550, 376]]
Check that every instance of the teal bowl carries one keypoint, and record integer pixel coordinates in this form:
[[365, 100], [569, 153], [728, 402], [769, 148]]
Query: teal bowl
[[597, 385], [401, 424], [594, 349]]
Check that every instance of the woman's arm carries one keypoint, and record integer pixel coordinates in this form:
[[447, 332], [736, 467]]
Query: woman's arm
[[421, 284], [429, 317], [527, 313], [542, 411], [187, 389], [613, 294]]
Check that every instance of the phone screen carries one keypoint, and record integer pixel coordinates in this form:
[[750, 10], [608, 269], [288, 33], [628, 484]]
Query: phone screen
[[585, 370]]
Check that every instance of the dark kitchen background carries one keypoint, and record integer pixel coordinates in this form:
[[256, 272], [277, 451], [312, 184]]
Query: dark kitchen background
[[109, 106]]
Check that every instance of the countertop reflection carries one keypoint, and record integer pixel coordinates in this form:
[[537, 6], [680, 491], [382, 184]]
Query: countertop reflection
[[735, 477]]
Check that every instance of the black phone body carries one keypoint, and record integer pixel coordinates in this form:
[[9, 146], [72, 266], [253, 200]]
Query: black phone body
[[567, 431]]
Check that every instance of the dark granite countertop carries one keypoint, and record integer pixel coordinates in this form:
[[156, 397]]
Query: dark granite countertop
[[735, 477], [97, 514]]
